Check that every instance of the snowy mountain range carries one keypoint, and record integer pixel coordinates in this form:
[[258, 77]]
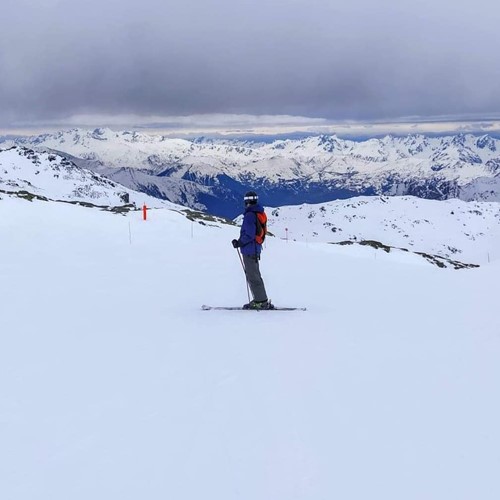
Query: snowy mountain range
[[467, 232], [212, 175]]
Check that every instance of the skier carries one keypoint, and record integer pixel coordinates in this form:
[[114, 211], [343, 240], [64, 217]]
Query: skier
[[251, 248]]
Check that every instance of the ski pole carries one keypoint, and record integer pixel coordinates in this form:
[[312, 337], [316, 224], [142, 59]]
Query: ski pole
[[244, 270]]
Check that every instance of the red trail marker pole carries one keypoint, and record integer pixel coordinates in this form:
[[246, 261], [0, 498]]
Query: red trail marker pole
[[144, 212]]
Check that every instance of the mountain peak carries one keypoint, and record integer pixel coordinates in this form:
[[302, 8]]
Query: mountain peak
[[486, 141], [102, 134]]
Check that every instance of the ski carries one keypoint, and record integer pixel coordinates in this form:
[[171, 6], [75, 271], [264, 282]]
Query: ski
[[275, 308]]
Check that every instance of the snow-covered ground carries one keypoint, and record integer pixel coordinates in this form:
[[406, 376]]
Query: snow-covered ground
[[115, 385], [464, 231]]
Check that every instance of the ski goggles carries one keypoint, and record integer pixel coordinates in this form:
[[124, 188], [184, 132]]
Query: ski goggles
[[251, 199]]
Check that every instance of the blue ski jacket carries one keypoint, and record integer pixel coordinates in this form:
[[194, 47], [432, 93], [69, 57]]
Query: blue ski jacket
[[248, 231]]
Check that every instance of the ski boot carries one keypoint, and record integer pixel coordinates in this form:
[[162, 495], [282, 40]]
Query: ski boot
[[259, 305]]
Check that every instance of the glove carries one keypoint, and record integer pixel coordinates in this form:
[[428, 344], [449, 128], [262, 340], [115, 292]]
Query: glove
[[236, 243]]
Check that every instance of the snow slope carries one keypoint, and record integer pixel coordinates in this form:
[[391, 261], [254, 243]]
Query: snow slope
[[464, 231], [52, 176], [115, 385]]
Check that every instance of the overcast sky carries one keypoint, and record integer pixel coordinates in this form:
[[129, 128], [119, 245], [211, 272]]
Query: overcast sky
[[331, 60]]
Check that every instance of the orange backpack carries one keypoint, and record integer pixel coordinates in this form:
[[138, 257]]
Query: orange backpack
[[261, 232]]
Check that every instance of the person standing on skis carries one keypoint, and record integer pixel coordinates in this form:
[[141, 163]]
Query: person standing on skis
[[252, 233]]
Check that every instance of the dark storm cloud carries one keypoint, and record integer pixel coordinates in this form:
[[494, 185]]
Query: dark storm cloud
[[360, 60]]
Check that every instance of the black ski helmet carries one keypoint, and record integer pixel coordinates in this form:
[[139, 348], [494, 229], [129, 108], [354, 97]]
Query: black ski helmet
[[251, 198]]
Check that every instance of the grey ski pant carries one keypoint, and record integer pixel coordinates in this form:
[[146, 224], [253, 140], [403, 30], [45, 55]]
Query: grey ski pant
[[254, 278]]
